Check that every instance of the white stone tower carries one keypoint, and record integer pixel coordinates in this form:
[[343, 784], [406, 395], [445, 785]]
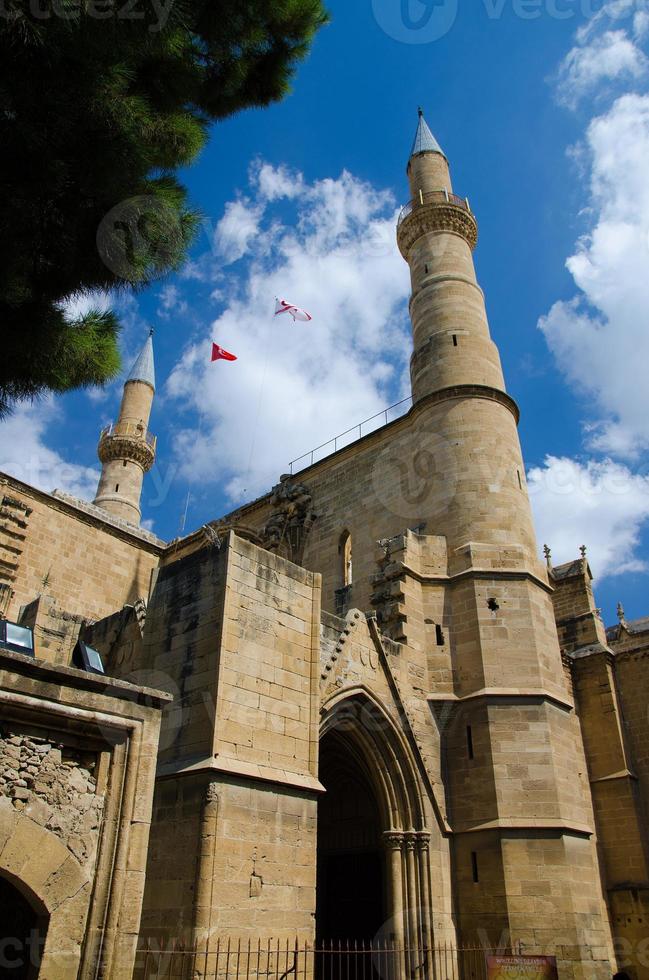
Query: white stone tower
[[126, 447]]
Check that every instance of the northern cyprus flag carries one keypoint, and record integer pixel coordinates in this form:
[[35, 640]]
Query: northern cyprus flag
[[281, 306]]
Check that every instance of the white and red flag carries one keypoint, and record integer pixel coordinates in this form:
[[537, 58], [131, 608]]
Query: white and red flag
[[219, 354], [281, 306]]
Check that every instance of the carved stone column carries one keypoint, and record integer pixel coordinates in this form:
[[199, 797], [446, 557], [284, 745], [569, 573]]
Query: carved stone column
[[393, 841], [205, 878], [413, 904], [425, 889]]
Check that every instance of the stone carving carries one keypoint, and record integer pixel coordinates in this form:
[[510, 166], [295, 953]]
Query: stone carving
[[14, 518], [287, 528], [212, 793], [388, 595], [434, 217], [140, 608]]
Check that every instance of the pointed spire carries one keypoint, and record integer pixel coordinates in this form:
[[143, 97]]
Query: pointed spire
[[143, 369], [548, 556], [425, 142]]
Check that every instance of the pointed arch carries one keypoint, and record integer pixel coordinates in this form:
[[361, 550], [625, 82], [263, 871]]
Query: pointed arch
[[359, 733], [346, 559], [358, 719], [40, 867]]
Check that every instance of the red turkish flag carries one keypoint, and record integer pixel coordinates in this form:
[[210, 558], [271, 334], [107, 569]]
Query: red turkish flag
[[219, 354]]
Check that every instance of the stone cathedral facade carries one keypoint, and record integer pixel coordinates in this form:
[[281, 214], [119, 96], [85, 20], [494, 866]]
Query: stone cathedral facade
[[361, 705]]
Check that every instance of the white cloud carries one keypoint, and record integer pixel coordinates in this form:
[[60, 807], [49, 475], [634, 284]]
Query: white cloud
[[600, 504], [641, 25], [236, 230], [294, 386], [276, 182], [600, 338], [24, 454], [171, 302], [610, 56], [81, 303]]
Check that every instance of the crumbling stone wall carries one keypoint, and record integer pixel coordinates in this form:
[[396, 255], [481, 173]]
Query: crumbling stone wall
[[56, 786]]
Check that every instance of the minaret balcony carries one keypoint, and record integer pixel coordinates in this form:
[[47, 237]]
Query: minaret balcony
[[435, 211], [127, 440]]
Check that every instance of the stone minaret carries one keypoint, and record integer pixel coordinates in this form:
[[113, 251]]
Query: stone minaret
[[516, 784], [455, 362], [126, 447]]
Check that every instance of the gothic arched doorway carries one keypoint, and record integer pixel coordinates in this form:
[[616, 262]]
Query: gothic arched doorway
[[374, 878], [351, 878], [22, 934]]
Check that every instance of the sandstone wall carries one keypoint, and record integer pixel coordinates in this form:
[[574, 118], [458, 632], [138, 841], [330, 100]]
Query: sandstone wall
[[232, 632], [92, 566], [77, 764]]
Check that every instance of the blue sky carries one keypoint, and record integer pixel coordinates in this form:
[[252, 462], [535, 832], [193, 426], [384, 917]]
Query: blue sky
[[542, 107]]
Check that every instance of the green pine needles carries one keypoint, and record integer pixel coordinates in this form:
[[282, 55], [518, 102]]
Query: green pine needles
[[101, 101]]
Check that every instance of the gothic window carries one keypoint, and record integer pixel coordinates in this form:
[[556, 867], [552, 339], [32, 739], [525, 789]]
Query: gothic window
[[345, 550]]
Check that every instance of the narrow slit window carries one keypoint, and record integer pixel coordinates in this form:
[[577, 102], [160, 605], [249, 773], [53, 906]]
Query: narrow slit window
[[345, 550], [469, 741], [426, 269], [520, 482], [439, 635], [117, 488], [123, 462], [454, 340], [474, 866]]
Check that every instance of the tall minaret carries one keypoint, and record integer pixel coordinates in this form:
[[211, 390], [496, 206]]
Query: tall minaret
[[455, 363], [517, 796], [126, 447], [437, 234]]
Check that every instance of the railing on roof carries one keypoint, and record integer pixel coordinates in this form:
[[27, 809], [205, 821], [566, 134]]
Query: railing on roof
[[434, 197], [130, 430], [358, 434]]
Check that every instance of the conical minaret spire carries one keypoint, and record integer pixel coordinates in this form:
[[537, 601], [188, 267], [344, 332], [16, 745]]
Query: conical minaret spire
[[126, 448], [424, 141]]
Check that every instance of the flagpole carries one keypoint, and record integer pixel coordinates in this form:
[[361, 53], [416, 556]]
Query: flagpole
[[183, 519], [259, 399]]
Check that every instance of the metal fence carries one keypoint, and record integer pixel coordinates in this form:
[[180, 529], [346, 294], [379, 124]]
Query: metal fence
[[229, 959]]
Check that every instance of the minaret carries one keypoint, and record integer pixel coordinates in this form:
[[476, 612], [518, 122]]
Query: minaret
[[455, 363], [517, 797], [437, 234], [126, 447]]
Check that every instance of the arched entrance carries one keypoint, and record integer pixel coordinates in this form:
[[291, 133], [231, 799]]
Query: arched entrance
[[374, 876], [22, 934], [351, 862]]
